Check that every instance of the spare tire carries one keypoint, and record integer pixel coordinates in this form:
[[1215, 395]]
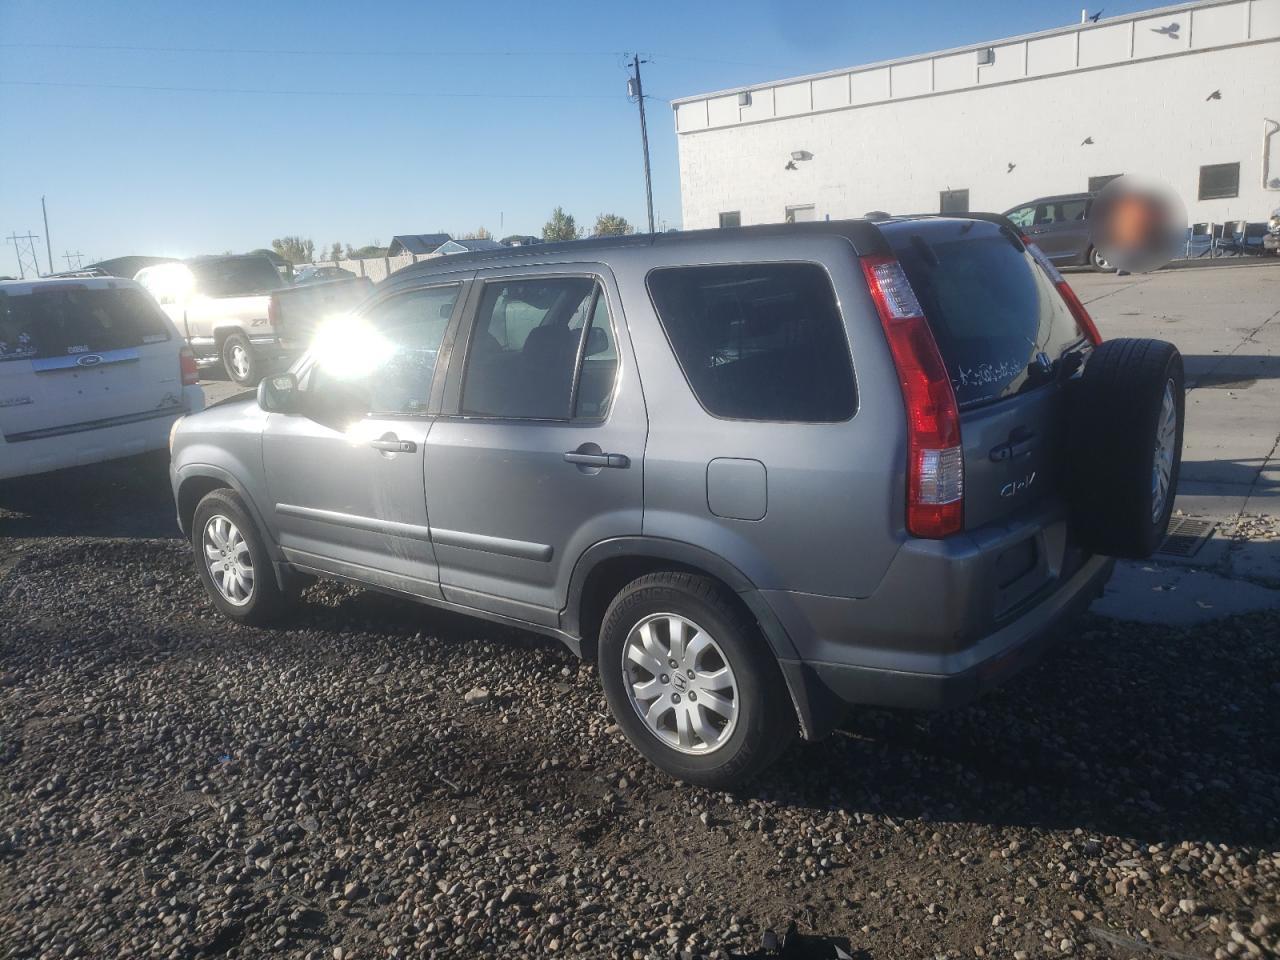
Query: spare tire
[[1125, 446]]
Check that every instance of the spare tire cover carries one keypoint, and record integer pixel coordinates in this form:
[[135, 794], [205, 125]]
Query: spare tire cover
[[1124, 447]]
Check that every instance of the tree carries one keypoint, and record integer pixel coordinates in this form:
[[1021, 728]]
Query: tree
[[335, 252], [369, 252], [612, 225], [561, 226], [480, 234], [294, 249]]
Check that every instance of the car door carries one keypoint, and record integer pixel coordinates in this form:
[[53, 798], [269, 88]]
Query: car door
[[538, 452], [346, 479]]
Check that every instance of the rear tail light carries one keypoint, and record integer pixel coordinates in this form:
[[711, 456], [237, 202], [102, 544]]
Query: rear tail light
[[1081, 315], [935, 456], [187, 364]]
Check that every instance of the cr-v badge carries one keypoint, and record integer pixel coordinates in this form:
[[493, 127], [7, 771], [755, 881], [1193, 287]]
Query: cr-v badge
[[1015, 487]]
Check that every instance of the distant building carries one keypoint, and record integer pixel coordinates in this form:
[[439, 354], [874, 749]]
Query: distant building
[[1188, 95], [517, 240], [417, 243], [468, 246]]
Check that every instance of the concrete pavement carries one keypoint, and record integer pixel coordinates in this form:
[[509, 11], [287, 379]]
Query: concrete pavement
[[1226, 322]]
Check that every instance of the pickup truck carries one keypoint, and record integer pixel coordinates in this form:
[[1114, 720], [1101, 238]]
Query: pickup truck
[[239, 311]]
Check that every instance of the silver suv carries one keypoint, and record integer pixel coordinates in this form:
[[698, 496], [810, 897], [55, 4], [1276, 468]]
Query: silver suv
[[756, 474]]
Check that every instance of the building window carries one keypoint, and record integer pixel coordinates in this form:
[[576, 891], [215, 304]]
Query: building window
[[953, 201], [801, 214], [732, 218], [1219, 181], [1097, 183]]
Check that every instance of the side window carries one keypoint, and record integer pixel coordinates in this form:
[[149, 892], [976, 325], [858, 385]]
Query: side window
[[387, 357], [762, 341], [1073, 211], [524, 348], [599, 366], [1045, 213], [1023, 216]]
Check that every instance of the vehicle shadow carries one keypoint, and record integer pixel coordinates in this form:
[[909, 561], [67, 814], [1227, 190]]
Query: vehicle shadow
[[1151, 732], [1222, 371], [119, 498]]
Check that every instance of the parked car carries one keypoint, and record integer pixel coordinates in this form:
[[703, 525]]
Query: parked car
[[90, 370], [1271, 241], [239, 311], [1060, 227], [656, 449], [314, 274]]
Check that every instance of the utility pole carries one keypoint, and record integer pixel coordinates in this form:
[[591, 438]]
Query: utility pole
[[25, 249], [636, 89], [78, 257], [48, 245]]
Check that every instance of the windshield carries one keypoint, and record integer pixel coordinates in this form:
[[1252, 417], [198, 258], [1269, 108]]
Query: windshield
[[235, 276]]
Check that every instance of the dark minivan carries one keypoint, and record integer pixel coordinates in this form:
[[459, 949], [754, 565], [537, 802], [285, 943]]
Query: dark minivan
[[1060, 228]]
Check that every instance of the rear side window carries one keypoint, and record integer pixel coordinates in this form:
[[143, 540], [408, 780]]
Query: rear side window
[[991, 308], [66, 321], [235, 276], [758, 341]]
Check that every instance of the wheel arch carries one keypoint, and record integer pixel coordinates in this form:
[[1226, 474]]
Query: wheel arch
[[195, 481], [606, 567]]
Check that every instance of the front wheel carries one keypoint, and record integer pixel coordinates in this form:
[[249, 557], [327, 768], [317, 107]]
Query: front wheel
[[239, 361], [691, 682], [232, 561], [1099, 262]]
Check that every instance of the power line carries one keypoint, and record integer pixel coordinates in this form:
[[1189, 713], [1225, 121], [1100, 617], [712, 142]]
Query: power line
[[310, 93], [295, 52]]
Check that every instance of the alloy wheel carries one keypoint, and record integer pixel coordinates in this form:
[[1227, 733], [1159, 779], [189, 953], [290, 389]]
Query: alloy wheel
[[680, 683], [227, 558], [1162, 463]]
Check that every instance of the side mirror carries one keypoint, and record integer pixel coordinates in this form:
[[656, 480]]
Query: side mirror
[[279, 393]]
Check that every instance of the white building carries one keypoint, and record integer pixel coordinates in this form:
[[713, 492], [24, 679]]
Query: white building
[[1188, 95]]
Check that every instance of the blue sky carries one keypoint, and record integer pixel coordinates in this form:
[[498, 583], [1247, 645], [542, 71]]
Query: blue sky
[[355, 122]]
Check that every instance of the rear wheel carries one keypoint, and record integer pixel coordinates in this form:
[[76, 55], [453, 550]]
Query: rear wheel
[[239, 361], [690, 681], [1126, 445], [232, 561]]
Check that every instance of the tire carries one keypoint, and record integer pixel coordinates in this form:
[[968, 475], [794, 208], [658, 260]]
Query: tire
[[1098, 262], [221, 523], [1120, 435], [239, 361], [734, 749]]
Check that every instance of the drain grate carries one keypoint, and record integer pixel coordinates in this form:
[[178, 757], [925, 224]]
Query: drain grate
[[1186, 536]]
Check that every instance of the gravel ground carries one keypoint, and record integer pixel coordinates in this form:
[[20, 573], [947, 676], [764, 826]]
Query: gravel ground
[[383, 779]]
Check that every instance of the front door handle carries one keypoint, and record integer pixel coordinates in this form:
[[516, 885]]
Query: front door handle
[[618, 461], [392, 445]]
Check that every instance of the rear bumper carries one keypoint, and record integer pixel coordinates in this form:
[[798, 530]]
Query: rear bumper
[[950, 619], [956, 681], [78, 447]]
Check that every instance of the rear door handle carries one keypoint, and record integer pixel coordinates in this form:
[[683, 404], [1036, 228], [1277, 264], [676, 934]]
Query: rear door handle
[[393, 445], [619, 461], [1015, 449]]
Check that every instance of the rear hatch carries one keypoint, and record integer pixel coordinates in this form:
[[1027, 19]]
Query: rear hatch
[[1009, 342], [77, 356]]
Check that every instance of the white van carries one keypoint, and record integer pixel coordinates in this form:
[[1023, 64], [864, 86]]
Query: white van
[[91, 369]]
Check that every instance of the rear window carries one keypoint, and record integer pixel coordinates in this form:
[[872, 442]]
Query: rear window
[[991, 308], [235, 277], [760, 341], [65, 321]]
